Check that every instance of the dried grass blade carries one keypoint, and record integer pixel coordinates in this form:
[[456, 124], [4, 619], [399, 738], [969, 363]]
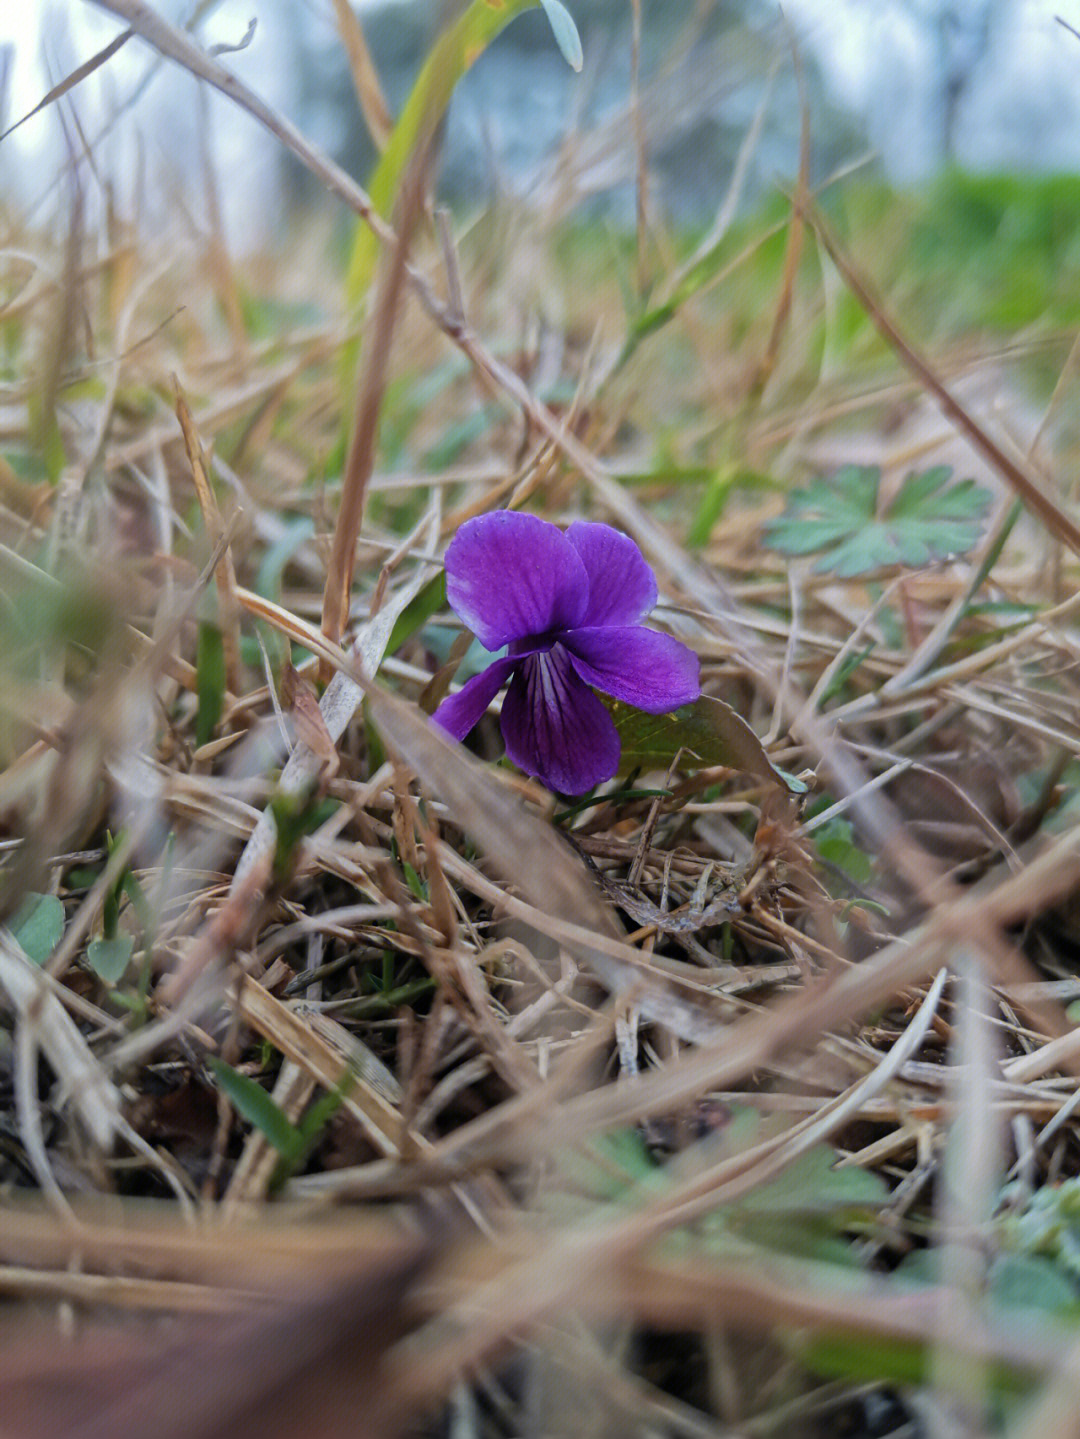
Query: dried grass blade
[[796, 233], [122, 1291], [287, 1032], [77, 76], [225, 570], [966, 1201], [92, 1094], [597, 1270], [176, 45], [338, 704], [361, 455], [152, 1238], [365, 77], [795, 1021]]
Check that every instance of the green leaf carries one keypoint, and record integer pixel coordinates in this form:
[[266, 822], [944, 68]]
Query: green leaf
[[1049, 1226], [840, 518], [296, 814], [451, 56], [296, 530], [253, 1103], [413, 880], [309, 1129], [806, 1209], [48, 441], [1030, 1281], [210, 679], [708, 731], [614, 1167], [855, 1357], [835, 842], [38, 925], [109, 958], [430, 600], [814, 1184], [721, 485], [565, 32]]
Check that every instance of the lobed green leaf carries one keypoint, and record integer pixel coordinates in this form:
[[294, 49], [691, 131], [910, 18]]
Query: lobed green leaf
[[841, 518]]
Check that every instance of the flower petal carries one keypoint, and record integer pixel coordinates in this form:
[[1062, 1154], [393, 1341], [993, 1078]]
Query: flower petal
[[512, 576], [648, 670], [460, 713], [556, 728], [622, 587]]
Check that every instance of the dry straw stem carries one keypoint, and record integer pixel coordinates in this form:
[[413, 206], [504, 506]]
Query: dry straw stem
[[310, 1363], [361, 456], [1053, 1415], [601, 1265], [365, 78], [118, 1291], [484, 1295], [77, 76], [793, 253], [971, 1183], [225, 569], [89, 1089], [175, 45], [338, 704], [179, 47]]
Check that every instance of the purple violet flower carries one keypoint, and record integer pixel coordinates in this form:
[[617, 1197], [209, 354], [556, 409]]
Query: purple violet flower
[[568, 607]]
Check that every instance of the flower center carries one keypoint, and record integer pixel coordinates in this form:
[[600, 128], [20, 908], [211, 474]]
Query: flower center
[[532, 645]]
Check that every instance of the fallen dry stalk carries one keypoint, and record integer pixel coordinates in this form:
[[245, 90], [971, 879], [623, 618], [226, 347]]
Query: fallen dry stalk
[[337, 594]]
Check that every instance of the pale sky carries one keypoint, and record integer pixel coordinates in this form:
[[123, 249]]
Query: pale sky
[[1025, 113], [51, 38]]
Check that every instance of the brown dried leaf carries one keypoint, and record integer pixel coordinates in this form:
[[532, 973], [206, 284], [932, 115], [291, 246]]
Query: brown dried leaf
[[299, 697]]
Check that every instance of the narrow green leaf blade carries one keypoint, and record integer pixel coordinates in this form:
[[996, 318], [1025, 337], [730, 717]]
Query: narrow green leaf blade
[[210, 678], [430, 600], [451, 56], [565, 32], [253, 1103]]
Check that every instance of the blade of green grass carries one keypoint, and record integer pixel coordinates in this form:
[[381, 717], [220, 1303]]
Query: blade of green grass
[[253, 1103], [451, 56]]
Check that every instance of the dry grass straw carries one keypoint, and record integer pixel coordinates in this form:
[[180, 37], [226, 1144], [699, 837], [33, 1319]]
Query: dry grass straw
[[440, 1219]]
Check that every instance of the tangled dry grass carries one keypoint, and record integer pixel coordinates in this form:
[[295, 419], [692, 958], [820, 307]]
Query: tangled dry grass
[[364, 1088]]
